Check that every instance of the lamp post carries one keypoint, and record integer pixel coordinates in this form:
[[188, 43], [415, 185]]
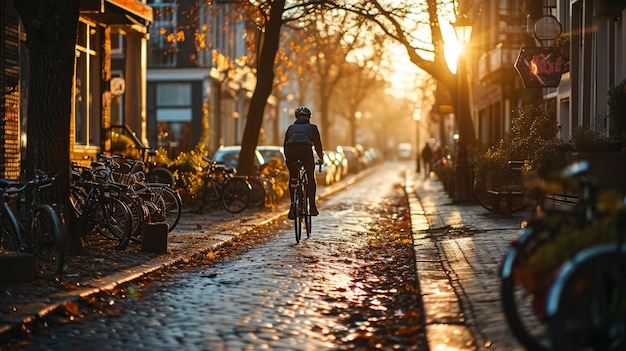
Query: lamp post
[[462, 188], [417, 117]]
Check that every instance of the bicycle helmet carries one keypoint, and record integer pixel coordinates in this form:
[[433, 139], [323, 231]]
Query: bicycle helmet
[[303, 111]]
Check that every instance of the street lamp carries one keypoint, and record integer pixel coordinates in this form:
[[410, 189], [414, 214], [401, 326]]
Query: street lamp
[[417, 117], [462, 188]]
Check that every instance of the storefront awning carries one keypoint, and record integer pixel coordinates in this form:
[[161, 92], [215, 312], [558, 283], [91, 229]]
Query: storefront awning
[[117, 11]]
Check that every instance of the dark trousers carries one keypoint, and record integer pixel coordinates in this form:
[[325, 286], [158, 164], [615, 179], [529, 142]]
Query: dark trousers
[[303, 152]]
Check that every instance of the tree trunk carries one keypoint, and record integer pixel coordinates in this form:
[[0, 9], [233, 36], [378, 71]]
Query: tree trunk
[[51, 29], [263, 88]]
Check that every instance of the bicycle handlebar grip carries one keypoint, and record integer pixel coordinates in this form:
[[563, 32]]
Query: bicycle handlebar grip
[[45, 182]]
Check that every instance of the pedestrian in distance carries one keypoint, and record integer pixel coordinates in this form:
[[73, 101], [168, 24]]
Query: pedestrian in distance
[[300, 139], [427, 158]]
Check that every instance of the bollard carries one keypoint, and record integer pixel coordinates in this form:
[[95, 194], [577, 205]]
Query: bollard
[[154, 237], [16, 267]]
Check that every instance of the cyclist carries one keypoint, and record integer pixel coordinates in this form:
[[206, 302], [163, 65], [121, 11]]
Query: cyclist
[[300, 137]]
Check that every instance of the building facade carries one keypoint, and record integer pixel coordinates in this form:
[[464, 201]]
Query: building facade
[[594, 38], [590, 37], [105, 27], [200, 78]]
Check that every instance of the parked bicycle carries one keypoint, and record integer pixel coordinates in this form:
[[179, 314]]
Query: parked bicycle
[[148, 202], [122, 136], [98, 208], [300, 201], [563, 279], [586, 302], [266, 188], [36, 227], [217, 186]]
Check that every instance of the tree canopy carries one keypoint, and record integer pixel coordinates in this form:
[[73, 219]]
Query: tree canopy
[[414, 25]]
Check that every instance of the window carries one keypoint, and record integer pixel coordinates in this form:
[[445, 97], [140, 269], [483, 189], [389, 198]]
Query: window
[[173, 115], [85, 117], [163, 43]]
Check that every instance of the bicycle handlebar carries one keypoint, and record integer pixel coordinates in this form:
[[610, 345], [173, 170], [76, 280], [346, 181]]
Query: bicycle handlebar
[[40, 180]]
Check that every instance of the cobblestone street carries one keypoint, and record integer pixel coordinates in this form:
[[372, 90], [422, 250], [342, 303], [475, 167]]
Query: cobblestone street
[[277, 295], [328, 292]]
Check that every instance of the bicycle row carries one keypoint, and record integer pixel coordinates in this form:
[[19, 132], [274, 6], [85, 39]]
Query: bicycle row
[[563, 281], [112, 198], [109, 200], [213, 186]]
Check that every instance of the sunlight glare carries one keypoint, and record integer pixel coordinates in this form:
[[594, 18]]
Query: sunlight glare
[[452, 50], [452, 47]]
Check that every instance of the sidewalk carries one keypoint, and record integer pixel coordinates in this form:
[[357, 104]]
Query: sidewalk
[[458, 249]]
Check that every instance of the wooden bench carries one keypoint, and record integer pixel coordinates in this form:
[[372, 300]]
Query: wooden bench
[[510, 189], [564, 200]]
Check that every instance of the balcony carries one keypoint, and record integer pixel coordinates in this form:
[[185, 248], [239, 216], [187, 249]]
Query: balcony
[[496, 63]]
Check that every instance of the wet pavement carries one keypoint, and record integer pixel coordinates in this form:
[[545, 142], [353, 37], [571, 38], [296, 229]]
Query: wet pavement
[[351, 286], [458, 248]]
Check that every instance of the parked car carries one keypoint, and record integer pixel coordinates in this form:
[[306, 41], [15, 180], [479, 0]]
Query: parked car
[[336, 159], [327, 175], [270, 152], [375, 155], [229, 156], [405, 151], [342, 160], [276, 165], [352, 155]]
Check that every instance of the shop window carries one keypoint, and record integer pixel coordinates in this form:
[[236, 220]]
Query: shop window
[[86, 117]]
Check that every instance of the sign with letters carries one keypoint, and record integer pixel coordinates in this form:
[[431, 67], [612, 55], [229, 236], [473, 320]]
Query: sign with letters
[[540, 67]]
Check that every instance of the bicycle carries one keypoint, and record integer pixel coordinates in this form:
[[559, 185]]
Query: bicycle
[[37, 229], [586, 302], [218, 186], [300, 201], [265, 186], [155, 172], [148, 202], [98, 209], [526, 277]]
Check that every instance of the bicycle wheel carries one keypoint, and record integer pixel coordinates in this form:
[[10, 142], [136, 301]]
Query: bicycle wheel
[[138, 214], [297, 200], [257, 192], [46, 241], [523, 305], [482, 196], [8, 232], [235, 195], [169, 202], [112, 220], [306, 216], [586, 305]]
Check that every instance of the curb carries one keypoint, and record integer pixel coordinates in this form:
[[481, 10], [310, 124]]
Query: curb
[[444, 331]]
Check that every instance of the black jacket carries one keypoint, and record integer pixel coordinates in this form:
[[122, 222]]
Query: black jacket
[[304, 132]]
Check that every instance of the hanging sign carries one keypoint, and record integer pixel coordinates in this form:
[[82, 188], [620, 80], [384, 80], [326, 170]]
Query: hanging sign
[[118, 86], [540, 67]]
